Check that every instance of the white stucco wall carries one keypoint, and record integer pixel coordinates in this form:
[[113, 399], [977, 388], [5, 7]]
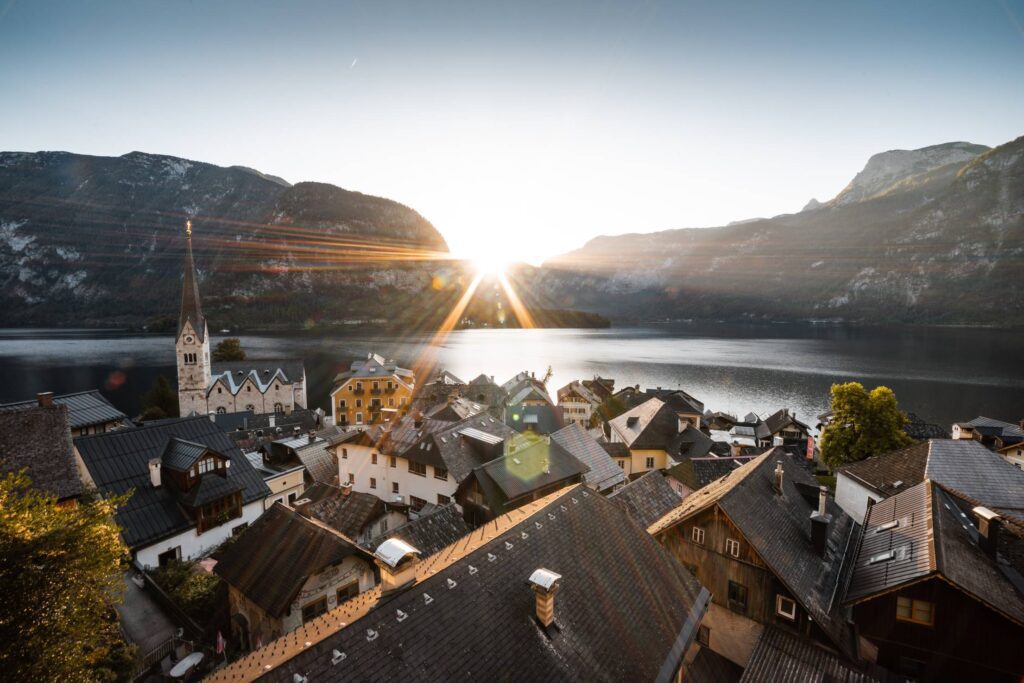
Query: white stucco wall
[[195, 545], [853, 497], [360, 464]]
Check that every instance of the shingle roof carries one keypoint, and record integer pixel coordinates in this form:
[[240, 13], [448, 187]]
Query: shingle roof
[[919, 429], [273, 558], [963, 465], [932, 536], [651, 425], [457, 453], [546, 419], [647, 498], [181, 454], [616, 450], [697, 473], [119, 462], [778, 528], [1000, 427], [429, 533], [689, 443], [85, 408], [454, 410], [318, 460], [375, 367], [779, 656], [470, 616], [532, 464], [604, 472], [778, 421], [347, 514], [39, 440]]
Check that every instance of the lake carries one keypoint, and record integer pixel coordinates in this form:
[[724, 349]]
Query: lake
[[943, 374]]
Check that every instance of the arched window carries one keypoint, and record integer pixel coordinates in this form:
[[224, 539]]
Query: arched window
[[278, 408], [251, 407], [222, 410]]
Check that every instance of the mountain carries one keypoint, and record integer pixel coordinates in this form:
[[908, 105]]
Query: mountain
[[931, 235], [78, 234]]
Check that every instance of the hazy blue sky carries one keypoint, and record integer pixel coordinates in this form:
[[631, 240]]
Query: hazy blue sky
[[520, 128]]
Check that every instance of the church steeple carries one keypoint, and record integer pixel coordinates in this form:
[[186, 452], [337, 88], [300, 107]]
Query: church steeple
[[191, 310]]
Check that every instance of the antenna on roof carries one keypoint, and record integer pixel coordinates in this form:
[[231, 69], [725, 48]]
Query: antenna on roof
[[188, 228]]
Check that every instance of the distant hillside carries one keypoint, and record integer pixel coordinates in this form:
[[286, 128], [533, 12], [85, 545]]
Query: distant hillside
[[98, 240], [933, 235]]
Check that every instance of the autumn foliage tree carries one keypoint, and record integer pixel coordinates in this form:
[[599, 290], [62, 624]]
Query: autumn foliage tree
[[60, 567], [863, 424]]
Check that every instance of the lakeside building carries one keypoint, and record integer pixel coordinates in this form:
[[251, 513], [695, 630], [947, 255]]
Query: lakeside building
[[531, 596], [578, 403], [373, 391], [89, 412], [260, 386]]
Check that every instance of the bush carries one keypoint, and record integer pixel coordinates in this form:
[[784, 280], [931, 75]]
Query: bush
[[197, 593]]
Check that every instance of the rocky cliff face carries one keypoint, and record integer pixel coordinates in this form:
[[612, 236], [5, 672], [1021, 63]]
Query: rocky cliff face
[[87, 240], [932, 235]]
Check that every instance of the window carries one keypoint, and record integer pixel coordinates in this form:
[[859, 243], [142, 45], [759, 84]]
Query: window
[[190, 359], [169, 555], [732, 546], [391, 403], [250, 407], [785, 607], [376, 386], [649, 463], [359, 418], [292, 497], [344, 454], [342, 404], [915, 611], [443, 500], [622, 464], [417, 468], [314, 609], [416, 503], [219, 390], [359, 403], [248, 388], [737, 597], [222, 410], [359, 387], [278, 408], [697, 535], [393, 461], [373, 482], [373, 458], [207, 465], [440, 473], [394, 487], [351, 478], [704, 636], [348, 592]]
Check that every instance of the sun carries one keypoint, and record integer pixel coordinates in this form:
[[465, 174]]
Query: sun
[[489, 266]]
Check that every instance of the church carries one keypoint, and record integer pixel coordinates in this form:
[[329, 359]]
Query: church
[[262, 386]]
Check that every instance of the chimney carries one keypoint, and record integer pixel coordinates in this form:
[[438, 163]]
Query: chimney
[[820, 521], [397, 561], [346, 488], [45, 399], [154, 472], [988, 530], [545, 584], [417, 419], [312, 436], [273, 420], [302, 507], [778, 477]]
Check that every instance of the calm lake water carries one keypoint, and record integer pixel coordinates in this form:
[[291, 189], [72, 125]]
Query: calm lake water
[[943, 374]]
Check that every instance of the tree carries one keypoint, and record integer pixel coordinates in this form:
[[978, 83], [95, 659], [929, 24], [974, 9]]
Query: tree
[[547, 376], [60, 566], [863, 424], [160, 401], [229, 349]]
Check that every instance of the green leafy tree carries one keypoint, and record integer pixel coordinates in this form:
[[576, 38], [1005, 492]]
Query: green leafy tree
[[160, 401], [228, 350], [863, 424], [610, 409], [60, 567]]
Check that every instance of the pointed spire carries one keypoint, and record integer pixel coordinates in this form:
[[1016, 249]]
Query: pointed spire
[[191, 309]]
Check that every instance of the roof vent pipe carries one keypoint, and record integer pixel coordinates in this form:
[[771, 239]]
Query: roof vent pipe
[[545, 584], [154, 472], [778, 477], [988, 530], [820, 521], [45, 399]]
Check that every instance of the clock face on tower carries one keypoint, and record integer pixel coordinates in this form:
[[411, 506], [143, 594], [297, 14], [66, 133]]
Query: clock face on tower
[[189, 339]]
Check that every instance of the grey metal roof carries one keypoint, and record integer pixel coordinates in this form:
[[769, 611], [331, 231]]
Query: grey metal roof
[[474, 433], [85, 408], [119, 462], [293, 368], [38, 439], [784, 658], [545, 419], [211, 487], [471, 618], [180, 454], [1005, 428], [458, 454], [532, 464], [647, 498], [604, 473]]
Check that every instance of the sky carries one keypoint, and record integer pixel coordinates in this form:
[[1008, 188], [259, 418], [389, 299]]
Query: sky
[[520, 129]]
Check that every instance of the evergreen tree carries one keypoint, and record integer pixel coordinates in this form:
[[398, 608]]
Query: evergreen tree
[[863, 424], [60, 566], [228, 350], [160, 401]]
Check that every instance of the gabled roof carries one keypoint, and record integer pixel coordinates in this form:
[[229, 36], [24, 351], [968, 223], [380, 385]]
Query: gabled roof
[[262, 373], [85, 408], [778, 421], [604, 473], [276, 555], [931, 536], [780, 656], [457, 452], [545, 419], [39, 440], [454, 410], [778, 528], [995, 427], [615, 450], [689, 443], [211, 487], [696, 473], [678, 400], [446, 378], [962, 465], [651, 425], [531, 464], [577, 390], [919, 429], [347, 514], [429, 533], [318, 459], [375, 367], [181, 454], [119, 462], [647, 498], [471, 614]]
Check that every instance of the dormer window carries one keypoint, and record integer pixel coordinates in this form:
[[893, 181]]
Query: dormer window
[[207, 465]]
